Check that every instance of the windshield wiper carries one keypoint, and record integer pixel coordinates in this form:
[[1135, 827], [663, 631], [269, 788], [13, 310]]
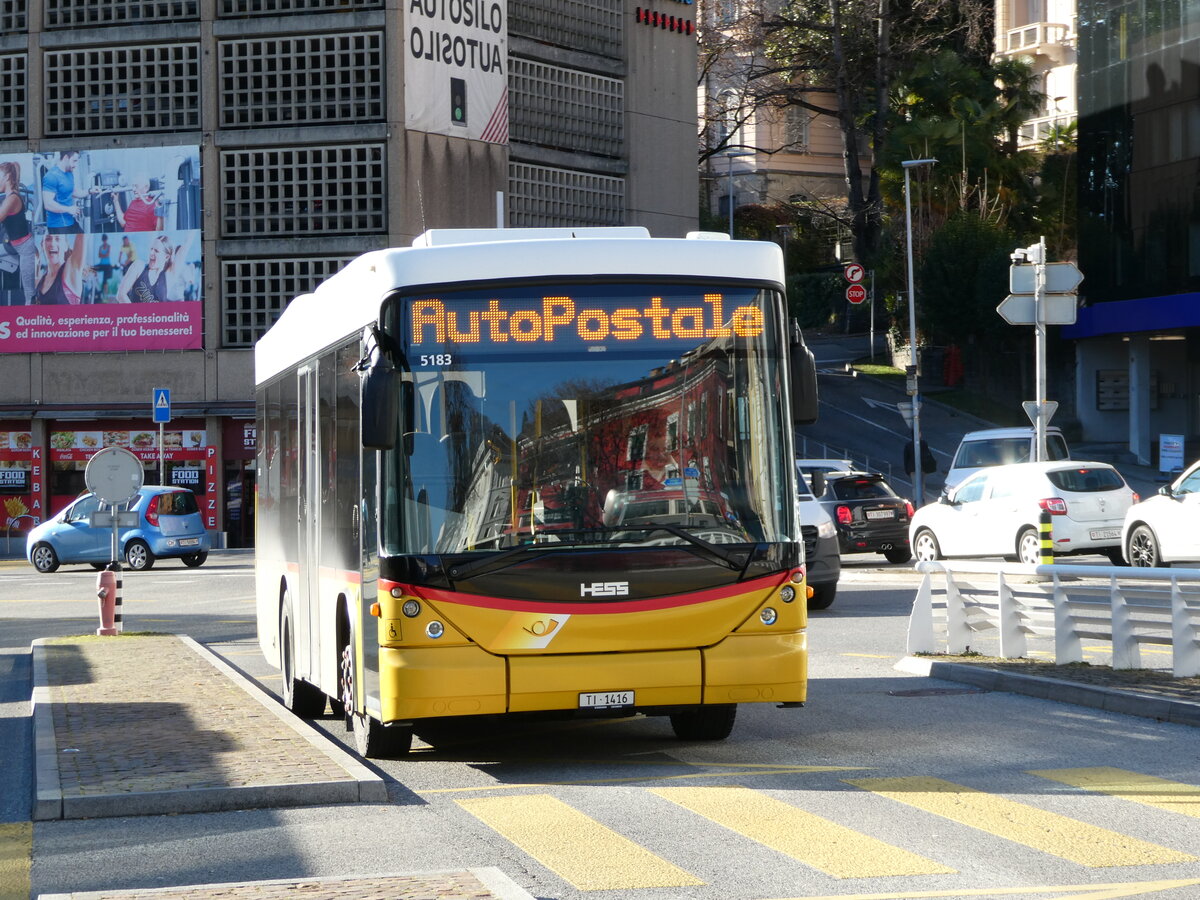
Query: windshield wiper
[[732, 559]]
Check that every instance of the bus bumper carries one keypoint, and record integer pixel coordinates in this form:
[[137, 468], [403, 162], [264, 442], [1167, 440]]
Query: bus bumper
[[418, 683]]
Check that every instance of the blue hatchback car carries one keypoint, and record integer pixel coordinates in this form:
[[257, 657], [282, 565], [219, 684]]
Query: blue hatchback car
[[169, 525]]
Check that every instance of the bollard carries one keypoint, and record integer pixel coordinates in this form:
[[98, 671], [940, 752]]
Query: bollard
[[108, 590], [1046, 530]]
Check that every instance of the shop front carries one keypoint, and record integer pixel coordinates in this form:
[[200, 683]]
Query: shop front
[[239, 443], [21, 473]]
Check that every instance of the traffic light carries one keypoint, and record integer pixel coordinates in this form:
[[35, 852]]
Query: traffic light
[[458, 101]]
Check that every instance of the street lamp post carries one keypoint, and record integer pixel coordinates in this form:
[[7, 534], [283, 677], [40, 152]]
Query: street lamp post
[[913, 356], [730, 153]]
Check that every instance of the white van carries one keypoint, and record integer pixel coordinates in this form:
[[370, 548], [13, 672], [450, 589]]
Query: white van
[[998, 447]]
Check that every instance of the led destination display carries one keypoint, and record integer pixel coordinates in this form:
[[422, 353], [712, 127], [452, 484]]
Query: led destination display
[[555, 319]]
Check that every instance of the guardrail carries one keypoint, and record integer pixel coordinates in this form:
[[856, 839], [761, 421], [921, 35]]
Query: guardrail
[[1128, 607]]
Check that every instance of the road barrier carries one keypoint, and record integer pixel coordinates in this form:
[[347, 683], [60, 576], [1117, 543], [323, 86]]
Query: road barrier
[[1126, 606]]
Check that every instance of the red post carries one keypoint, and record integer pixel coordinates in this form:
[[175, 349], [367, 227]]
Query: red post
[[108, 590]]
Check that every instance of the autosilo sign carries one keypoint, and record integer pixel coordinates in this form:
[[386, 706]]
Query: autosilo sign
[[455, 78]]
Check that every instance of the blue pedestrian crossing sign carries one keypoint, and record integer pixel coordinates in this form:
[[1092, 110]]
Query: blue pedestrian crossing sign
[[161, 404]]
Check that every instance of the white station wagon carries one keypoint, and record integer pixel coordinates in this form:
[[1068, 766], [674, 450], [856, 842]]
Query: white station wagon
[[995, 512]]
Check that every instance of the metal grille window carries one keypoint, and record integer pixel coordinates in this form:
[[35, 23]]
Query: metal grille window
[[256, 291], [593, 26], [241, 8], [539, 195], [84, 13], [299, 80], [12, 16], [555, 107], [303, 191], [154, 87], [12, 96]]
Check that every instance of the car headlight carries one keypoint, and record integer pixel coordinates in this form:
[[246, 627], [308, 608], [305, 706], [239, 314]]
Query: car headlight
[[827, 529]]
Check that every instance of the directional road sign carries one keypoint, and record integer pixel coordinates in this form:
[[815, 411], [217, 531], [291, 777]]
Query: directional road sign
[[856, 293], [160, 403], [1018, 309], [1061, 278], [854, 273]]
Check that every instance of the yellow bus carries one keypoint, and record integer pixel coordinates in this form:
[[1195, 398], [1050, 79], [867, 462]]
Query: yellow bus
[[519, 470]]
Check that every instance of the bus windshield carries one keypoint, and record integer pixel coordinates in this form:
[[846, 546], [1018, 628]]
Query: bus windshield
[[567, 414]]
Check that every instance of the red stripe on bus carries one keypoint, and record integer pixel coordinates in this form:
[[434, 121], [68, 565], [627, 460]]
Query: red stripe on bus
[[690, 599]]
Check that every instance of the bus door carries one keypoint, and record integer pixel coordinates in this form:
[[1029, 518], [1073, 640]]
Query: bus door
[[308, 478]]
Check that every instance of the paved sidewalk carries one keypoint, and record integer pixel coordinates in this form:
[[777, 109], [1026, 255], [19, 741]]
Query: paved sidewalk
[[144, 725]]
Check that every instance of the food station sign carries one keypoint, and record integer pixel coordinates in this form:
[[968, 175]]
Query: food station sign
[[67, 446]]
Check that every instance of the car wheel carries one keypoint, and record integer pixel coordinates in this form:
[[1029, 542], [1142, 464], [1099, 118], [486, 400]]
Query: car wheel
[[44, 559], [372, 738], [303, 699], [823, 596], [705, 723], [194, 560], [897, 555], [139, 556], [926, 547], [1142, 550], [1029, 547]]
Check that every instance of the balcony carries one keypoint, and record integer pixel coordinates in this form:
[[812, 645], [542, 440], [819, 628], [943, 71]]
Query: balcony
[[1052, 40]]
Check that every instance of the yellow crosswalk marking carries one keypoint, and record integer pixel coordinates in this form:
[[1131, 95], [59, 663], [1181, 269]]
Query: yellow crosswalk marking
[[1078, 842], [1173, 796], [831, 848], [579, 849], [1043, 892], [16, 848]]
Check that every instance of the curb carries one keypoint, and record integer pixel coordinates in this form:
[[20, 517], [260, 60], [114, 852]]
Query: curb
[[364, 785], [1129, 703], [498, 885]]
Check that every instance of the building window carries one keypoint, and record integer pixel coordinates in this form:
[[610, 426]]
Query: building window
[[256, 291], [241, 8], [544, 196], [795, 128], [300, 80], [12, 96], [12, 16], [277, 192], [556, 107], [85, 13], [593, 26], [634, 481], [672, 440], [152, 87], [635, 448]]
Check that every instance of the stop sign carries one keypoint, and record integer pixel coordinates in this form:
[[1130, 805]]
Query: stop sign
[[856, 293]]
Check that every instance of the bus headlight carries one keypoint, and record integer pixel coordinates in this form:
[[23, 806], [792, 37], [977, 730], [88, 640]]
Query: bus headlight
[[768, 615], [435, 630], [788, 594], [411, 608]]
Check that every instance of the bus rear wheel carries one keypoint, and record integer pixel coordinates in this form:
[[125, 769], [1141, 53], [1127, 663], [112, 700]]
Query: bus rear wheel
[[705, 723], [303, 699], [372, 739]]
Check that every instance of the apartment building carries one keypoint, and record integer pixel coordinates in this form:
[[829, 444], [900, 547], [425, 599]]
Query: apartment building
[[180, 169], [1042, 32]]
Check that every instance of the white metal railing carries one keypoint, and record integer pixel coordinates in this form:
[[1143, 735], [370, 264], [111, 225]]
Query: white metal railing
[[1128, 607]]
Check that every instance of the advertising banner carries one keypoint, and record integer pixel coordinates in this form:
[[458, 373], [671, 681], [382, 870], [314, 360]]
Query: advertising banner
[[78, 446], [455, 81], [20, 482], [100, 250]]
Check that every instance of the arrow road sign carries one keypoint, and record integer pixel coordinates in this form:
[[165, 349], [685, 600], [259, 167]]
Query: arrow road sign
[[1018, 309], [1061, 278], [854, 273]]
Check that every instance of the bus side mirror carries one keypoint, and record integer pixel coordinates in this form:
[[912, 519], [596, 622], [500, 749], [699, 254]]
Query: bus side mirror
[[803, 371], [380, 396]]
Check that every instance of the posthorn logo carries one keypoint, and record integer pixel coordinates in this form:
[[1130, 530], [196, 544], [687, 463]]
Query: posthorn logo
[[604, 589]]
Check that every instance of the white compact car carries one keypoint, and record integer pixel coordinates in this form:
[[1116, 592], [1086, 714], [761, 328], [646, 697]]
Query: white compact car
[[995, 512], [1166, 528]]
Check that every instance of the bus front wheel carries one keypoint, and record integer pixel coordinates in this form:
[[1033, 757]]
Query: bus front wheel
[[705, 723], [372, 739]]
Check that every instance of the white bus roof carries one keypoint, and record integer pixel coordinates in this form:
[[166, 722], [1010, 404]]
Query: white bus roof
[[350, 300]]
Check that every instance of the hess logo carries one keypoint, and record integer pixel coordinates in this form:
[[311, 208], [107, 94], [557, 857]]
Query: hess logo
[[542, 627], [604, 589]]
